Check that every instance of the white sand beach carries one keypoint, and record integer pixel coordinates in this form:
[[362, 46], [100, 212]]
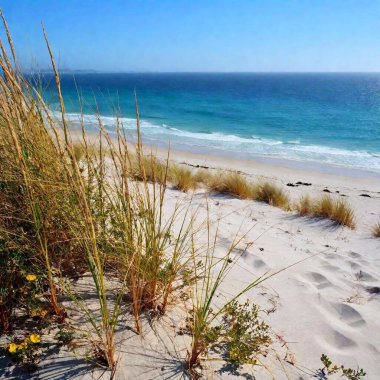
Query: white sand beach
[[328, 302]]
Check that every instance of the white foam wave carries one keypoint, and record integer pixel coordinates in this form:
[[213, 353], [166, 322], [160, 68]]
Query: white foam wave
[[253, 145]]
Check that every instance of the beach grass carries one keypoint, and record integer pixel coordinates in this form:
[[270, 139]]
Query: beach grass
[[90, 206], [376, 230], [205, 318], [272, 194], [236, 184], [220, 182], [304, 206], [182, 178], [337, 210], [147, 167], [230, 183]]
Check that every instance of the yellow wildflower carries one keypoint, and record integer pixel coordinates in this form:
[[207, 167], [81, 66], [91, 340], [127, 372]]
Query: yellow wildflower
[[12, 348], [35, 338], [31, 277]]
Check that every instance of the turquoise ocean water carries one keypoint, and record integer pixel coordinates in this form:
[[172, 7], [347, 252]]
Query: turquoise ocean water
[[321, 119]]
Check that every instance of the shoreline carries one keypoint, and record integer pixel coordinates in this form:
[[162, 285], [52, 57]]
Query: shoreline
[[276, 161], [308, 156], [278, 170]]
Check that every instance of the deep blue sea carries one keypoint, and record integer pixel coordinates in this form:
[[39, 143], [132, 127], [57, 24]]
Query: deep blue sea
[[328, 119]]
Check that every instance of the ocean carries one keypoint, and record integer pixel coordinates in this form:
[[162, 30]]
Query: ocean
[[330, 120]]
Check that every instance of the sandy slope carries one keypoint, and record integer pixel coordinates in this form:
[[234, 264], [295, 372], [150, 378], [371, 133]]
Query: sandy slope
[[327, 303], [321, 305]]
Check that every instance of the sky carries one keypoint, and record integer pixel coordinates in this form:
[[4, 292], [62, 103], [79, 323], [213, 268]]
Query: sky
[[198, 35]]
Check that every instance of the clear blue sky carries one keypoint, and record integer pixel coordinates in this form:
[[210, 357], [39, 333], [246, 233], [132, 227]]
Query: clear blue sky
[[199, 35]]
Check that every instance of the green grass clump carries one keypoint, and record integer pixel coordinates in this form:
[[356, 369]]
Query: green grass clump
[[204, 326], [67, 209], [241, 334]]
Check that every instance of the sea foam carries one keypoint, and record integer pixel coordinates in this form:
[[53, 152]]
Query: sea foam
[[233, 145]]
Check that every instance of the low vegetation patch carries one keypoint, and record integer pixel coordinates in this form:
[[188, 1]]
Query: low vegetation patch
[[304, 206], [330, 369], [272, 194], [182, 178], [231, 183], [241, 335], [376, 230], [232, 327], [147, 168], [337, 210]]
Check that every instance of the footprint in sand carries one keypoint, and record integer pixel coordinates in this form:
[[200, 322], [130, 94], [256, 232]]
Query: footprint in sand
[[357, 256], [373, 349], [318, 280], [339, 341], [349, 315], [325, 264], [258, 263], [354, 255]]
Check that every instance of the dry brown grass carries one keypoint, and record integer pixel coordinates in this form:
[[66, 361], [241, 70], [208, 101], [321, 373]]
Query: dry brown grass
[[272, 194], [148, 168], [376, 230], [182, 178], [201, 176], [304, 206], [337, 210], [232, 183], [69, 209], [237, 185]]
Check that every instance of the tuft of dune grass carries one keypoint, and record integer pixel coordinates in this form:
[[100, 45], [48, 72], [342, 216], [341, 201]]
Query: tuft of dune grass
[[237, 185], [376, 230], [201, 176], [148, 168], [272, 194], [232, 183], [304, 206], [182, 178], [337, 210]]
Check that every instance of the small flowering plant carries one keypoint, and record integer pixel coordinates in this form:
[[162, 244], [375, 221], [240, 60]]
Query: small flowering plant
[[34, 301], [25, 351], [31, 277], [241, 336]]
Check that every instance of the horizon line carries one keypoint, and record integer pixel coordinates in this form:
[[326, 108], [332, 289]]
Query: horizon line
[[93, 71]]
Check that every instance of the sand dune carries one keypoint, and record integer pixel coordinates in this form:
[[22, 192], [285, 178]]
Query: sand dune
[[328, 302]]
